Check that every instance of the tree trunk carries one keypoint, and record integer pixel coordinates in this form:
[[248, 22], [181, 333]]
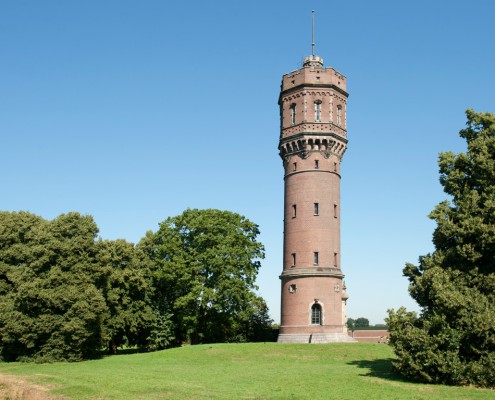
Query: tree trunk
[[112, 347]]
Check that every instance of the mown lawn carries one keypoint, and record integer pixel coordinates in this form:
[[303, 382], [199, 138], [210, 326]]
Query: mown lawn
[[239, 371]]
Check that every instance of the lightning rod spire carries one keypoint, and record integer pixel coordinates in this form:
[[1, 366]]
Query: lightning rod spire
[[313, 33], [313, 60]]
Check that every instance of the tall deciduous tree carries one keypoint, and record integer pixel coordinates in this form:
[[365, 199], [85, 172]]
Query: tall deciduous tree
[[207, 262], [453, 339], [128, 292], [51, 307]]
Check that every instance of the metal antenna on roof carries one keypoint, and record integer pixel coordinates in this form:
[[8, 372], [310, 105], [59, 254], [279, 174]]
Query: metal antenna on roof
[[313, 33]]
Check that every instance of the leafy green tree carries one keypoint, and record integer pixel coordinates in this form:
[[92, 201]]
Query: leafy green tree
[[359, 323], [253, 324], [452, 340], [128, 293], [162, 329], [22, 242], [259, 327], [206, 265], [51, 307]]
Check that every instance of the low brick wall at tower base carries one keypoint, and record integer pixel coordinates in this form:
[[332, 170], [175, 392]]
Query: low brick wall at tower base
[[370, 336]]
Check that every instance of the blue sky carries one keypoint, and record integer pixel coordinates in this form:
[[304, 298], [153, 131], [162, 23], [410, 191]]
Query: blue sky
[[132, 111]]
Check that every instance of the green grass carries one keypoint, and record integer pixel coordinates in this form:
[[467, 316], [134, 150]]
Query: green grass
[[240, 371]]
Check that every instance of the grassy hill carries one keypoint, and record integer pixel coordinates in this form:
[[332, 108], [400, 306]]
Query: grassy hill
[[238, 371]]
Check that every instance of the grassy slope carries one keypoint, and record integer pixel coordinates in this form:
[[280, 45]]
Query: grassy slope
[[240, 371]]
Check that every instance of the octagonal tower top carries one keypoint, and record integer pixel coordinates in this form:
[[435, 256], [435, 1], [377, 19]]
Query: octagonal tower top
[[313, 61], [314, 73]]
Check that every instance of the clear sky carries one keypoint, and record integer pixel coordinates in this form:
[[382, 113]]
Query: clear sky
[[132, 111]]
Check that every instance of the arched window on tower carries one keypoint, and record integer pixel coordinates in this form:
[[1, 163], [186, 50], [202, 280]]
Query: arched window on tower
[[315, 314], [318, 111], [293, 114], [339, 115]]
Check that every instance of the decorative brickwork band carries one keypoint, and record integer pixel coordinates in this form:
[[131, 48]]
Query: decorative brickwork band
[[303, 147]]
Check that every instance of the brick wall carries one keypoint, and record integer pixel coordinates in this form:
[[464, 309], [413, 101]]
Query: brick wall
[[370, 336]]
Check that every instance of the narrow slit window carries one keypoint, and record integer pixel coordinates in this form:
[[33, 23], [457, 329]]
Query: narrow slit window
[[315, 258], [316, 208], [293, 114], [294, 211], [293, 259], [318, 111], [295, 166], [335, 259], [335, 211], [339, 115], [317, 164], [335, 166]]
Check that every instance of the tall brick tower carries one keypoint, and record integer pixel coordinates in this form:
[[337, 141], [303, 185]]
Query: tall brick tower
[[313, 139]]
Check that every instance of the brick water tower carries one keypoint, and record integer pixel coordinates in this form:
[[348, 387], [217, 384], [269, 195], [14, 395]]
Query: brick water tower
[[313, 139]]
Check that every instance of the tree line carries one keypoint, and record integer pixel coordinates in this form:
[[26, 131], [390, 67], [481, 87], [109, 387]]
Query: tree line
[[66, 294], [358, 323]]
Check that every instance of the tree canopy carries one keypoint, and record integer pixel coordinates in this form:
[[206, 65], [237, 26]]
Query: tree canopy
[[358, 323], [206, 265], [50, 306], [66, 294], [452, 340]]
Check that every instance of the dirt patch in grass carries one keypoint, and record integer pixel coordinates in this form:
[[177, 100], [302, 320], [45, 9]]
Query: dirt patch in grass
[[13, 388]]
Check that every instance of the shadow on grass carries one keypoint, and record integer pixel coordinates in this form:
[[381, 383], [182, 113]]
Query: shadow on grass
[[381, 368], [119, 352], [131, 350]]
